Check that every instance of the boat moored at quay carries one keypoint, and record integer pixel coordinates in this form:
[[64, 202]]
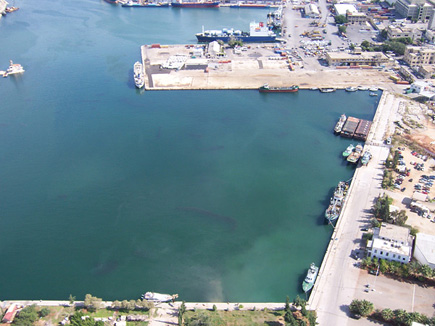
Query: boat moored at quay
[[366, 158], [135, 4], [340, 123], [249, 5], [337, 200], [268, 89], [139, 79], [309, 280], [351, 89], [327, 90], [258, 33], [355, 155], [195, 4], [158, 297], [348, 150]]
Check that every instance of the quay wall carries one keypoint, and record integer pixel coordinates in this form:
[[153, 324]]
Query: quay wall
[[326, 263]]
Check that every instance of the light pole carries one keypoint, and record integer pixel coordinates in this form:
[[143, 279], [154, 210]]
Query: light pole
[[376, 276]]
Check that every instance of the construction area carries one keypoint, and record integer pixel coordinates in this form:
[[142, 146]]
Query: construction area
[[171, 67]]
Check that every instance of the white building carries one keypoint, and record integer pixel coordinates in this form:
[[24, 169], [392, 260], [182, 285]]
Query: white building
[[423, 88], [3, 5], [312, 11], [342, 9], [391, 242], [424, 250]]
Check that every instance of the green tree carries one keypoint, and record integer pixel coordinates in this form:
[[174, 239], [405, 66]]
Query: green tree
[[375, 223], [76, 320], [290, 319], [342, 29], [312, 317], [383, 266], [287, 303], [398, 217], [92, 303], [233, 42], [299, 302], [44, 312], [414, 231], [365, 44], [414, 267], [71, 299], [402, 317], [340, 19], [361, 307], [181, 311], [116, 305], [387, 314], [426, 271], [26, 317]]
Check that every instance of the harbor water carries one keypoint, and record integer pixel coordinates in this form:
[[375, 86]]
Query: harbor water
[[214, 195]]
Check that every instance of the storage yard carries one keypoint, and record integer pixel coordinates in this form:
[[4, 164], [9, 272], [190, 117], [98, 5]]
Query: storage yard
[[249, 68]]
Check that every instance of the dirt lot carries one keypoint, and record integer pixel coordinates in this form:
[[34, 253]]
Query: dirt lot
[[250, 70]]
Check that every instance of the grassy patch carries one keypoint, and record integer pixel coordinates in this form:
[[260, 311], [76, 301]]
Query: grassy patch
[[238, 317], [137, 323]]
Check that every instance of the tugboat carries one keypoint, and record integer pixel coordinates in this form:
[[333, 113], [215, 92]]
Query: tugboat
[[14, 68], [139, 79], [337, 201], [309, 280], [340, 124], [355, 155], [348, 150], [267, 89]]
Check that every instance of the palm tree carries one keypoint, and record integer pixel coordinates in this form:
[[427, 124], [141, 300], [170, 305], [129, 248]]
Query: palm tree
[[414, 267], [387, 314]]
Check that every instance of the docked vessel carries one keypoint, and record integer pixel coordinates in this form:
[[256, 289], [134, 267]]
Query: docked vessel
[[267, 89], [139, 78], [134, 4], [113, 2], [337, 201], [14, 68], [250, 5], [351, 89], [157, 297], [355, 155], [366, 158], [340, 124], [327, 90], [348, 150], [258, 33], [362, 88], [309, 280], [195, 4], [373, 94]]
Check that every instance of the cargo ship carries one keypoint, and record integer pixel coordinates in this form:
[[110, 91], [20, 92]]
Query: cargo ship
[[258, 33], [309, 280], [267, 89], [337, 201], [340, 123], [195, 4], [134, 4], [355, 155]]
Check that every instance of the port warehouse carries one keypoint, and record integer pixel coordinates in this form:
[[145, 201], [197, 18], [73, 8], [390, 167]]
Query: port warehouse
[[356, 128]]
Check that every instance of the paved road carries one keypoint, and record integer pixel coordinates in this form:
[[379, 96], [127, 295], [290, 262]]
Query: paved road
[[338, 278]]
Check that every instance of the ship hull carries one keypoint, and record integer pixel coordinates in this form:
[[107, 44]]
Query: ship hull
[[196, 4], [245, 39], [151, 5], [250, 6], [279, 90]]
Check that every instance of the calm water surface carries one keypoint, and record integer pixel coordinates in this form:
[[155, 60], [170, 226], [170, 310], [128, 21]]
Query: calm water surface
[[215, 195]]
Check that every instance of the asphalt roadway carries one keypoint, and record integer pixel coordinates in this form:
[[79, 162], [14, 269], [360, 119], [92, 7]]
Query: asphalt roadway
[[339, 281]]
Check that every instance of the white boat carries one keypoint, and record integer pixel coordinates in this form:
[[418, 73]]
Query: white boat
[[14, 68], [157, 297], [373, 89], [139, 78], [363, 88], [373, 94], [310, 278], [351, 89]]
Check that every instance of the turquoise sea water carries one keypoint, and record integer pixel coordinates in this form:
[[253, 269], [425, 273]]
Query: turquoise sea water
[[214, 195]]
